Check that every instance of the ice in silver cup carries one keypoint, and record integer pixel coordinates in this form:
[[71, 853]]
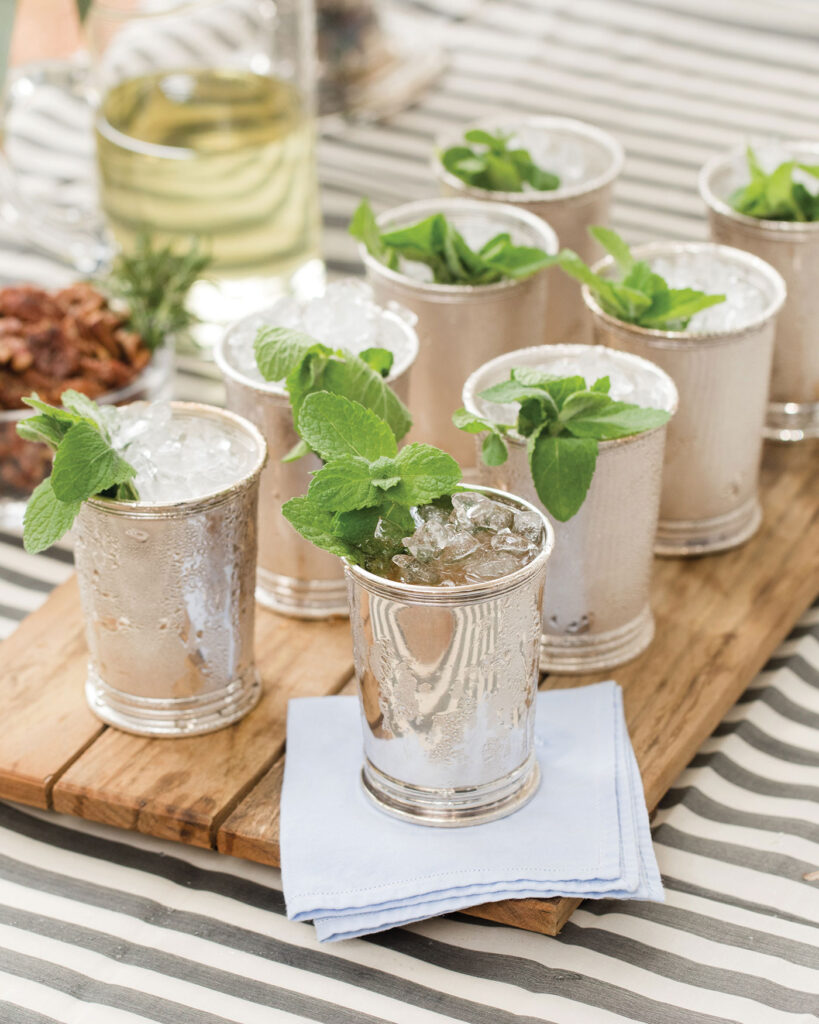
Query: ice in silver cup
[[721, 366], [167, 597], [294, 577], [792, 248], [596, 611], [461, 326], [588, 162], [447, 678]]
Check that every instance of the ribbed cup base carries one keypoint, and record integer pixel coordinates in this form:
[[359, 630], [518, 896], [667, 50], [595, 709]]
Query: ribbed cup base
[[596, 652], [791, 421], [452, 807], [301, 599], [679, 537], [191, 716]]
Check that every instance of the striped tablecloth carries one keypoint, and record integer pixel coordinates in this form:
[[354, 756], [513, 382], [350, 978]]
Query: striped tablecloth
[[105, 927]]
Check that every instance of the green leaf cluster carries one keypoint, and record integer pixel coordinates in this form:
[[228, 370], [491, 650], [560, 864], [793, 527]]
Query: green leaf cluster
[[489, 163], [436, 243], [562, 420], [306, 366], [641, 297], [776, 196], [85, 464], [358, 504], [153, 281]]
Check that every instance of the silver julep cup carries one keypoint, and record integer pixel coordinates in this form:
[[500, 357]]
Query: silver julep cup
[[461, 326], [293, 576], [167, 597], [711, 478], [792, 248], [596, 611], [447, 678], [569, 210]]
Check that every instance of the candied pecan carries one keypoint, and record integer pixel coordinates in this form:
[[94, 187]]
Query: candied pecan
[[52, 353], [27, 302]]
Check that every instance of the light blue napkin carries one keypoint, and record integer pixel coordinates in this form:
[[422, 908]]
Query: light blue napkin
[[354, 870]]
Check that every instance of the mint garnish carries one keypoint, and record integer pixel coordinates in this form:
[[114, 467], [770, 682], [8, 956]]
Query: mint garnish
[[306, 366], [358, 504], [562, 420], [436, 243], [489, 163], [85, 464], [776, 196], [640, 297]]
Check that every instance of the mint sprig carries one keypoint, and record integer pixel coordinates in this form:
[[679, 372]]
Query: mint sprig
[[640, 297], [436, 243], [776, 196], [490, 164], [562, 420], [358, 504], [306, 366], [85, 464]]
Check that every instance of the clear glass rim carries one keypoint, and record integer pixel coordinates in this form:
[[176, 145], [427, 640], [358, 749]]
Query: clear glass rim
[[687, 339]]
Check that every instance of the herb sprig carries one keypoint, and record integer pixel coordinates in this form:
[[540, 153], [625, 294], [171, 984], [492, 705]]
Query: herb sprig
[[562, 420], [307, 366], [776, 196], [153, 282], [358, 504], [85, 464], [641, 297], [489, 163], [436, 243]]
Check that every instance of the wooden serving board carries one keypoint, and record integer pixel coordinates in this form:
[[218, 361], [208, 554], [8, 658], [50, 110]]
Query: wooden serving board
[[718, 620]]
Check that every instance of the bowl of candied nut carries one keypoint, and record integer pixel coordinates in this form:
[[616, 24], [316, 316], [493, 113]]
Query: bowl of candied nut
[[51, 341]]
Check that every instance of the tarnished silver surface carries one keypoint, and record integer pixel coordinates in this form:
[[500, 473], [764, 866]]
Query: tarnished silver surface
[[596, 611], [293, 576], [792, 248], [167, 597], [460, 327], [710, 482], [569, 210], [447, 678]]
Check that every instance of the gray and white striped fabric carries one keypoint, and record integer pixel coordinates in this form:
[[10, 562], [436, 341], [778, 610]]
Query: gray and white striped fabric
[[105, 927]]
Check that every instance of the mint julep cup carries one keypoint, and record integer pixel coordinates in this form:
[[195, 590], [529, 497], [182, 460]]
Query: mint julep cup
[[710, 499], [461, 326], [597, 610], [293, 576], [167, 596], [588, 162], [447, 678], [791, 248]]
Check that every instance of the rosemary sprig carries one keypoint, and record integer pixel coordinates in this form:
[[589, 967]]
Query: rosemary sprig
[[154, 281]]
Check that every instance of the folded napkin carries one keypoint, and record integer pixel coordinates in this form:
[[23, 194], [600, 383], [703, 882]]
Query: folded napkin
[[353, 870]]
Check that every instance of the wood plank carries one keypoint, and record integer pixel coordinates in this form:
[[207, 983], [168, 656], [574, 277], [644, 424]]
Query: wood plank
[[46, 721], [718, 620], [183, 789]]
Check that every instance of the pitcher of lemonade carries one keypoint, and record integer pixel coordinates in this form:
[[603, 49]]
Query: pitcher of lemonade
[[206, 127]]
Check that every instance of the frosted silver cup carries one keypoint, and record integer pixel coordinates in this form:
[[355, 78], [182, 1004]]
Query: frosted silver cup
[[792, 248], [711, 479], [583, 199], [596, 611], [167, 597], [293, 576], [447, 678], [459, 327]]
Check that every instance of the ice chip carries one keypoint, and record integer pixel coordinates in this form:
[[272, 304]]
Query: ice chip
[[529, 524], [460, 546], [491, 515], [514, 543]]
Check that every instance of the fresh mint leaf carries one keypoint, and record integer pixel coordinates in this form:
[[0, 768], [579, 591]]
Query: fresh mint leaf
[[615, 246], [464, 420], [775, 195], [336, 428], [618, 419], [493, 450], [378, 359], [426, 474], [85, 464], [562, 470], [83, 406], [354, 379], [582, 404], [489, 163], [279, 350], [316, 525], [602, 384], [385, 473], [376, 530], [298, 451], [46, 518], [364, 227], [43, 429], [343, 485]]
